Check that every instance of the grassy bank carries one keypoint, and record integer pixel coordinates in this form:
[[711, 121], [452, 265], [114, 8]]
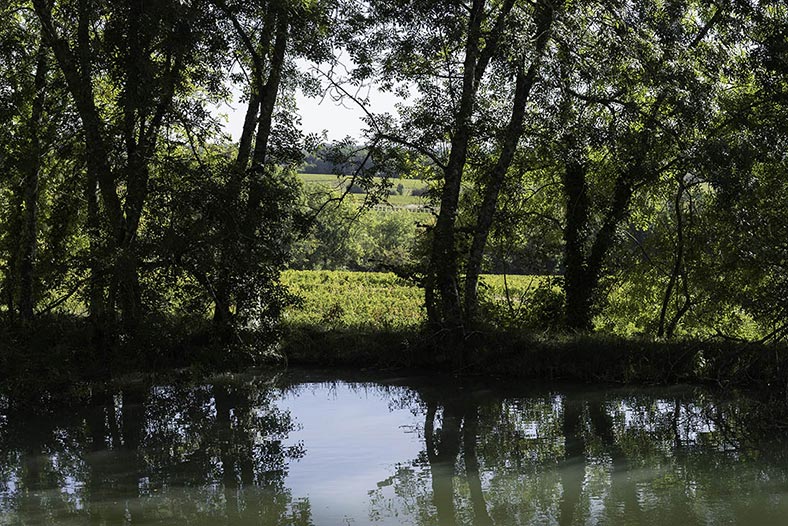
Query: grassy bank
[[376, 320], [370, 301], [354, 319], [381, 301]]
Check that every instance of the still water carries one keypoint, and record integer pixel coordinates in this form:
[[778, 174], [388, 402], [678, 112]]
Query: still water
[[313, 449]]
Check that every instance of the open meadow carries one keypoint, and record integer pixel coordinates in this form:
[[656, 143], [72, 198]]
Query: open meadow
[[381, 300], [402, 192]]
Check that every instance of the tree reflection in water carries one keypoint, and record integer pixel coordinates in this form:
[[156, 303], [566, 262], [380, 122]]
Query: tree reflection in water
[[220, 454], [160, 454], [580, 458]]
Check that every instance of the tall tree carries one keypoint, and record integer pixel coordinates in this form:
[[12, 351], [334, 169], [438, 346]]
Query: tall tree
[[125, 77], [620, 119], [474, 67]]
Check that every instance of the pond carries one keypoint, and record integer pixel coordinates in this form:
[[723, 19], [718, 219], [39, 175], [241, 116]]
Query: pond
[[311, 448]]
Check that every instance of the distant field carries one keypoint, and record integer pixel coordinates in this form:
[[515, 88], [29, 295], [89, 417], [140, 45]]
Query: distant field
[[331, 179], [339, 183], [374, 300]]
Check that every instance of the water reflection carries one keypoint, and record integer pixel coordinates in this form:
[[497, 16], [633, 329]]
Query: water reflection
[[162, 454], [286, 451], [589, 458]]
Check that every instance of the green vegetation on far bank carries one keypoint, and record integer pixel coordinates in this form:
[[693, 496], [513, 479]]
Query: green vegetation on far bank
[[353, 300], [381, 301], [398, 192], [376, 319]]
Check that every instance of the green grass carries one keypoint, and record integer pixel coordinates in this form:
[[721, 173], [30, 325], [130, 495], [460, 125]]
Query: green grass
[[325, 179], [334, 180], [403, 200], [396, 201], [359, 300], [375, 300]]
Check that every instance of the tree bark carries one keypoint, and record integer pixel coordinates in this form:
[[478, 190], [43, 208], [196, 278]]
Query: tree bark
[[442, 278], [96, 286], [578, 293], [31, 186], [514, 130], [10, 285]]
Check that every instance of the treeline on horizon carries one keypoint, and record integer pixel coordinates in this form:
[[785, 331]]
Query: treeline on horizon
[[638, 148]]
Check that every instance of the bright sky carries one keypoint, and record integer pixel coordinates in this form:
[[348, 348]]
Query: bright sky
[[337, 119]]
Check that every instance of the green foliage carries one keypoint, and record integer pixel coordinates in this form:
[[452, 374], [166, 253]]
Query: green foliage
[[342, 236], [358, 300], [522, 303]]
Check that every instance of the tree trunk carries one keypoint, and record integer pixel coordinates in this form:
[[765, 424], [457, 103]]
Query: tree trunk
[[247, 134], [96, 286], [129, 294], [222, 315], [579, 291], [674, 275], [514, 130], [10, 285], [31, 185], [668, 328], [445, 306]]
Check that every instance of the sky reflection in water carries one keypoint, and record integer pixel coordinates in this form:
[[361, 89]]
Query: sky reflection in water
[[295, 450]]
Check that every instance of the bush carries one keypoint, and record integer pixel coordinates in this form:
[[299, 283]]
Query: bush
[[530, 303]]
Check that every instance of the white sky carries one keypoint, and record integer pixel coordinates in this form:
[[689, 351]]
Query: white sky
[[338, 120]]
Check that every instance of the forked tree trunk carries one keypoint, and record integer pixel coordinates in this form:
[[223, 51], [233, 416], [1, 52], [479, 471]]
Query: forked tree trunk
[[525, 81], [268, 97], [442, 287], [584, 252], [256, 131]]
